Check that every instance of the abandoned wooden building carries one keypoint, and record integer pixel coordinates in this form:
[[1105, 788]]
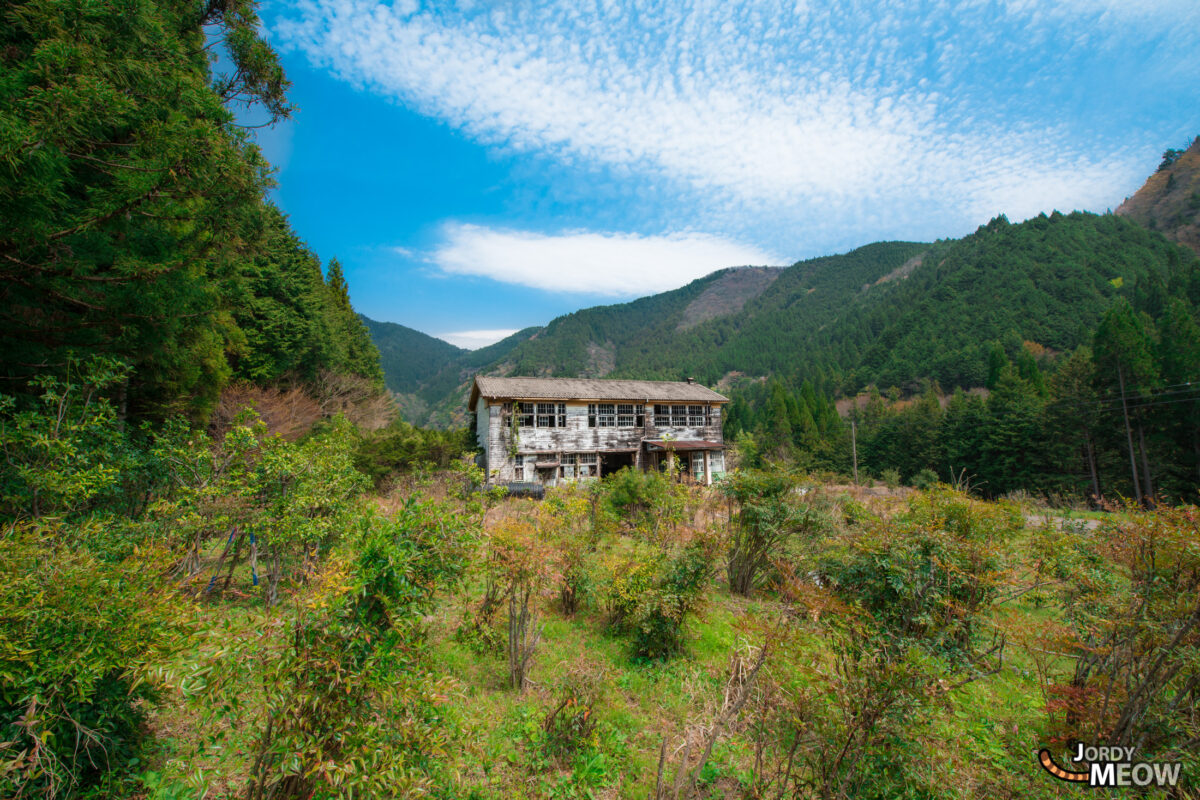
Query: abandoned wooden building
[[547, 430]]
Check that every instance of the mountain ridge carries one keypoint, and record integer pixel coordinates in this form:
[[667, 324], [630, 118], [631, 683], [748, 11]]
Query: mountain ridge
[[887, 314]]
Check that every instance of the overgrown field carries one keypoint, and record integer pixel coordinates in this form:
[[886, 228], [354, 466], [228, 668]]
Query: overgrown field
[[248, 618]]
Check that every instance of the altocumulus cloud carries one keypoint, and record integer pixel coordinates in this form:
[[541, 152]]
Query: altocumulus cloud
[[822, 113], [597, 263]]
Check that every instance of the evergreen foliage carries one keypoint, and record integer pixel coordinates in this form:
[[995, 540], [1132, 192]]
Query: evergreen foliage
[[134, 217], [409, 358]]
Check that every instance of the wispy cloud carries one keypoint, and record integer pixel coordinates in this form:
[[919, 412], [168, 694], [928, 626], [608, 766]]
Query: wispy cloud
[[821, 113], [473, 340], [615, 265]]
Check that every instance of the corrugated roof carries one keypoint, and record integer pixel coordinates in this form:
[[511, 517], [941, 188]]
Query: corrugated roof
[[592, 389]]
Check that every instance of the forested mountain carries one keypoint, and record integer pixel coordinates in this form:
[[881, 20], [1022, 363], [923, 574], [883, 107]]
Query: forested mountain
[[888, 314], [1169, 201], [409, 357], [594, 342]]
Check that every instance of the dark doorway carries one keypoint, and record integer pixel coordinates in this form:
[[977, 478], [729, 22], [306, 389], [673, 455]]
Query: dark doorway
[[611, 462]]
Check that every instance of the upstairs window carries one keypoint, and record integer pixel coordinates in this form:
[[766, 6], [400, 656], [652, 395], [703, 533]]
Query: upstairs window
[[542, 415], [697, 417], [525, 415], [630, 415], [602, 415], [616, 415], [679, 417]]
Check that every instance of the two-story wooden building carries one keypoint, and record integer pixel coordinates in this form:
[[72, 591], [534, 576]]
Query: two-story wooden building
[[549, 429]]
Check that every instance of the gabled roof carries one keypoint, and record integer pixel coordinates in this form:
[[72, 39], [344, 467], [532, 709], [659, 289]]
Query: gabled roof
[[591, 389]]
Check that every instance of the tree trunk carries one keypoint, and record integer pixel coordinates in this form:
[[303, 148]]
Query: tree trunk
[[1147, 482], [1091, 462], [1137, 487]]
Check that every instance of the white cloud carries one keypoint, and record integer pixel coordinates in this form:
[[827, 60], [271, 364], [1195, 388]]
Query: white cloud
[[612, 264], [473, 340], [809, 113]]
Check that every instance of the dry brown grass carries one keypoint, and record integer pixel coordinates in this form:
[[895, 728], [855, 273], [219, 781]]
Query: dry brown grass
[[290, 411]]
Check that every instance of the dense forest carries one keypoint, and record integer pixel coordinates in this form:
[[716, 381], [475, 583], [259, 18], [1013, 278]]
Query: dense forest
[[1116, 418], [135, 218]]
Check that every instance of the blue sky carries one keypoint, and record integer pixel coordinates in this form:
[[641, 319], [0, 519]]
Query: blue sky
[[481, 167]]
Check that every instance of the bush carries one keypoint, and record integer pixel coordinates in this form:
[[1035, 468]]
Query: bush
[[275, 503], [343, 703], [770, 513], [926, 575], [890, 478], [925, 479], [853, 728], [1130, 592], [77, 640], [68, 453], [651, 595], [403, 448], [645, 500]]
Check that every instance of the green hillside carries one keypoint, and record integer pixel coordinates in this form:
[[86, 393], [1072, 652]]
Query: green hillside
[[408, 357], [887, 314]]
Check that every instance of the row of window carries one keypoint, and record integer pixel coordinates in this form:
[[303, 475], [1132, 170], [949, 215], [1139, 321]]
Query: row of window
[[586, 465], [542, 415], [582, 465], [613, 415]]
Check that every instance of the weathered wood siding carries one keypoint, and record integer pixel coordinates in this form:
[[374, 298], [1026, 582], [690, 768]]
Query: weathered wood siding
[[576, 437]]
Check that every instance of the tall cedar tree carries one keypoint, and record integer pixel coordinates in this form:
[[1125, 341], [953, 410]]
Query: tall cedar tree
[[132, 205]]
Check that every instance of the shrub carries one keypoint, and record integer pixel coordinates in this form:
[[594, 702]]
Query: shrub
[[890, 477], [570, 726], [265, 497], [522, 566], [850, 728], [645, 500], [77, 640], [343, 703], [926, 575], [403, 448], [1130, 592], [769, 514], [67, 451], [925, 479], [651, 595]]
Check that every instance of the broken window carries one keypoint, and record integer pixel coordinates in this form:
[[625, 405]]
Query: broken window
[[630, 415], [679, 417], [551, 415], [568, 465], [602, 415], [525, 415], [696, 416]]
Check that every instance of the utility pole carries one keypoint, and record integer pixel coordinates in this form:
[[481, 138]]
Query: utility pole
[[854, 447], [1137, 486]]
